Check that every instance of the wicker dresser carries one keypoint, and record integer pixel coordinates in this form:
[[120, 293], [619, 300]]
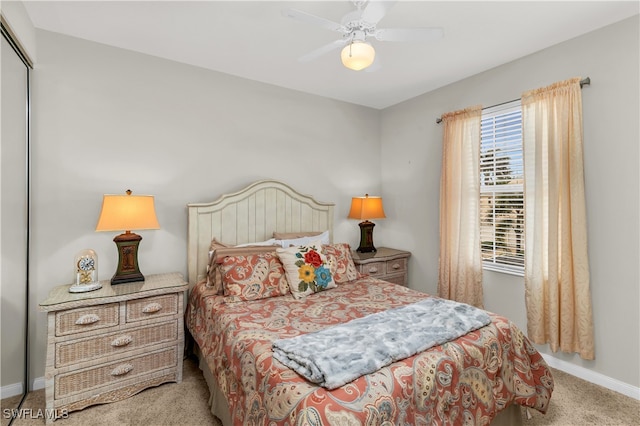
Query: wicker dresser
[[386, 264], [109, 344]]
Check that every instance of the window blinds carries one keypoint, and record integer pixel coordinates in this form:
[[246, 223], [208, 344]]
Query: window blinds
[[501, 189]]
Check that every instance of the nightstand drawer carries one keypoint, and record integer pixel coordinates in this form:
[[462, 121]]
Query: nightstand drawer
[[396, 279], [76, 351], [386, 264], [396, 266], [373, 269], [150, 307], [86, 319], [80, 381]]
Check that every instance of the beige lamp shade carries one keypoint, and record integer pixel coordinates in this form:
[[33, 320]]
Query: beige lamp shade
[[357, 55], [127, 213], [366, 207]]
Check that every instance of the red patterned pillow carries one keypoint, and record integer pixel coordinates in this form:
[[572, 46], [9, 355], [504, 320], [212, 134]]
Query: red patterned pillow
[[218, 251], [341, 263], [253, 277]]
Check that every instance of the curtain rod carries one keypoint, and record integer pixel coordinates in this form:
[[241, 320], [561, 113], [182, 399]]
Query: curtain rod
[[583, 82]]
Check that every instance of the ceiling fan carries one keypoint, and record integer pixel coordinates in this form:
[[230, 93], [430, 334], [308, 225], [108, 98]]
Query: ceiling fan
[[356, 27]]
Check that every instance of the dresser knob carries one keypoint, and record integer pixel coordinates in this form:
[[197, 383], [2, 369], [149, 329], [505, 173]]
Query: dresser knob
[[121, 370], [152, 308], [121, 341], [373, 269], [396, 266], [87, 319]]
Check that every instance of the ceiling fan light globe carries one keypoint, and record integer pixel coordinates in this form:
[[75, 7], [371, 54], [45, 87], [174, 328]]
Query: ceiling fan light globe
[[357, 55]]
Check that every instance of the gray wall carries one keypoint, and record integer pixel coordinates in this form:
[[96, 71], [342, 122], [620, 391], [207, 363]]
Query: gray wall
[[107, 119], [411, 156]]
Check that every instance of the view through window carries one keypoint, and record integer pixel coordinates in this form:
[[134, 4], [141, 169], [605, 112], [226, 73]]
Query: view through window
[[501, 189]]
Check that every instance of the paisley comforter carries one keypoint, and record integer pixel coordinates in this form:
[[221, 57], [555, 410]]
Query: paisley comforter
[[465, 381], [337, 355]]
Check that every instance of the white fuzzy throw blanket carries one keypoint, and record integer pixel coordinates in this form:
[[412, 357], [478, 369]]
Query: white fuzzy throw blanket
[[340, 354]]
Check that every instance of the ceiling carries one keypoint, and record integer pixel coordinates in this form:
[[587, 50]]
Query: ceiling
[[252, 39]]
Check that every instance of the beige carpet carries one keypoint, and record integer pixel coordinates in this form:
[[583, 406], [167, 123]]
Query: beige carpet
[[574, 402], [168, 404]]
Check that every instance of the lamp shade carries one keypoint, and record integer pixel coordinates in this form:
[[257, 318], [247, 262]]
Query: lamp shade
[[127, 212], [366, 207], [357, 55]]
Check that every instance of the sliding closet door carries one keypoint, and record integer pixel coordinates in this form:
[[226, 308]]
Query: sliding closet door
[[14, 222]]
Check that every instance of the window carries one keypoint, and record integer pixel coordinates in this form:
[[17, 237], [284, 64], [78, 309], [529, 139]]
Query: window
[[501, 189]]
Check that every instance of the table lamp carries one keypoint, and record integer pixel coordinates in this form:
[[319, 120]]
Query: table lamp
[[126, 213], [366, 208]]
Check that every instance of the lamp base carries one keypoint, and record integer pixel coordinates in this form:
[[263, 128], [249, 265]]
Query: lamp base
[[366, 237], [128, 270]]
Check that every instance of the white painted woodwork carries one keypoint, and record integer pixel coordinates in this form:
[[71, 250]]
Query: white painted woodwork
[[251, 215]]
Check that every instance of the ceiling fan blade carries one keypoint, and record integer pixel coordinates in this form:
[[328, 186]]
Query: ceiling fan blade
[[409, 34], [375, 10], [313, 19], [322, 50]]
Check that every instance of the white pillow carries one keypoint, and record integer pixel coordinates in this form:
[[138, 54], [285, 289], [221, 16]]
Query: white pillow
[[307, 269], [322, 238], [269, 242]]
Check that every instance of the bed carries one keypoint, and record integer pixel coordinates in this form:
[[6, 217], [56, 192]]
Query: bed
[[482, 377]]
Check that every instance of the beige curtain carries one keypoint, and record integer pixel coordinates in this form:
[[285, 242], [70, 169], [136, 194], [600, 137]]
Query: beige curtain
[[460, 267], [557, 291]]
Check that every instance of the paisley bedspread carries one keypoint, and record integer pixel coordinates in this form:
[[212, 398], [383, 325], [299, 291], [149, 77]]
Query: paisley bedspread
[[340, 354], [465, 381]]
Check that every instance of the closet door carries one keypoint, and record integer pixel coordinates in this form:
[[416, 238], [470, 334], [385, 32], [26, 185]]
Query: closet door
[[14, 222]]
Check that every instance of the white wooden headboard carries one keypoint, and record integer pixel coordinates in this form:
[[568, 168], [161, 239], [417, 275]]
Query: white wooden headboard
[[250, 215]]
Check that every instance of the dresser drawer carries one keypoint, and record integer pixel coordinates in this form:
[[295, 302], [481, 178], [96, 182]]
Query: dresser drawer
[[86, 319], [151, 307], [396, 266], [374, 268], [80, 381], [396, 279], [76, 351]]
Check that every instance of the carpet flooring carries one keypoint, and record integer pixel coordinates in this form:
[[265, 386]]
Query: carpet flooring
[[574, 403]]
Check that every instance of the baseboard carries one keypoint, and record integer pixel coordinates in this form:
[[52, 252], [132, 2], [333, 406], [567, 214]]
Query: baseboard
[[593, 377], [16, 388], [11, 390], [38, 383]]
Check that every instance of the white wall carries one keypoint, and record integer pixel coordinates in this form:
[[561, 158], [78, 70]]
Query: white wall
[[107, 119], [411, 156]]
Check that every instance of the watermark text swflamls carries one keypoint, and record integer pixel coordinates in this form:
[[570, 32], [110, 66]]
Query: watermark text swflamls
[[37, 413]]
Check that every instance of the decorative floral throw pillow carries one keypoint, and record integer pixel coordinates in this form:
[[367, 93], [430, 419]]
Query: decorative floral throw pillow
[[342, 267], [253, 277], [307, 269]]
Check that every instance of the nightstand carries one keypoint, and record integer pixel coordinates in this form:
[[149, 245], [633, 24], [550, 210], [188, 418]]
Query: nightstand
[[386, 264], [109, 344]]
